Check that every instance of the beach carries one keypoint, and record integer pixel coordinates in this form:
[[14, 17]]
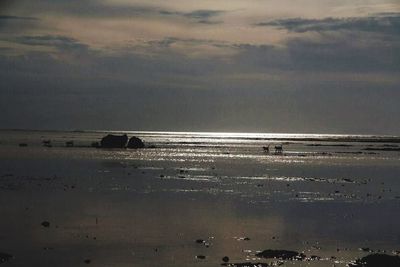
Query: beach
[[191, 199]]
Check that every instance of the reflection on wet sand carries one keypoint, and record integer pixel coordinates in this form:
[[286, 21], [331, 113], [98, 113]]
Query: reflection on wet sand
[[174, 206]]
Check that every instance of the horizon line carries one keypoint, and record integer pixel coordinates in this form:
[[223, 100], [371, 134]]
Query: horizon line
[[200, 132]]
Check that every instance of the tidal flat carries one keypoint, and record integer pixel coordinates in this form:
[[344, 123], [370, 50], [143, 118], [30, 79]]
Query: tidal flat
[[190, 200]]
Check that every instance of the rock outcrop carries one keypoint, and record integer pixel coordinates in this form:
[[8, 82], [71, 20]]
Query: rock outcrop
[[377, 260], [114, 141]]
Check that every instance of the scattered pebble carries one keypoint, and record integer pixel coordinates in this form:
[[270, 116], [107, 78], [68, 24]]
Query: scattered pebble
[[46, 224], [245, 264], [225, 259], [281, 254]]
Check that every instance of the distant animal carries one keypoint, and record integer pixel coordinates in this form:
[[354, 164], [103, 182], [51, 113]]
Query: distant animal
[[278, 148], [23, 144], [266, 148], [47, 143], [95, 144], [69, 143]]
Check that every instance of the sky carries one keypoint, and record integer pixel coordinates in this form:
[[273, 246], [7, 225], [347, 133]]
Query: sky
[[289, 66]]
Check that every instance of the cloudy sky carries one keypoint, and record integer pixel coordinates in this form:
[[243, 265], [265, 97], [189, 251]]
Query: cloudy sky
[[310, 66]]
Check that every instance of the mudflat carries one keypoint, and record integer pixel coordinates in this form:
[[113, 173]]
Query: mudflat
[[181, 202]]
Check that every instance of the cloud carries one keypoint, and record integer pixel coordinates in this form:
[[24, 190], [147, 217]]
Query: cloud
[[344, 53], [168, 41], [381, 23], [104, 9], [8, 17], [58, 41], [202, 16], [329, 52], [12, 23]]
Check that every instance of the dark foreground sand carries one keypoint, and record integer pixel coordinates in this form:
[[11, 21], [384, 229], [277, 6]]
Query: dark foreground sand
[[160, 207]]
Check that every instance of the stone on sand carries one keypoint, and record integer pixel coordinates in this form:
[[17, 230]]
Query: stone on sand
[[45, 224], [5, 257]]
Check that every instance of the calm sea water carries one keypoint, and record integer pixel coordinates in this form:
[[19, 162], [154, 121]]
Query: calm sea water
[[292, 142], [318, 165]]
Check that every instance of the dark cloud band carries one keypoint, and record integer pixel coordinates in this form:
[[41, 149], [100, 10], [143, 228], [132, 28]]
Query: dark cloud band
[[384, 22]]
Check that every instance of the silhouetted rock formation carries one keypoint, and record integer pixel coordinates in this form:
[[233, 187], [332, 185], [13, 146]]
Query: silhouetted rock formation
[[135, 142], [377, 260], [114, 141]]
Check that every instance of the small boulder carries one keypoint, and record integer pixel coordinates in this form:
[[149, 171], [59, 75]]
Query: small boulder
[[46, 224], [225, 259], [135, 142], [5, 257]]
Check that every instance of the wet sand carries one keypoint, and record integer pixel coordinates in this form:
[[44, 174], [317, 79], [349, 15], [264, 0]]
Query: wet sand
[[193, 207]]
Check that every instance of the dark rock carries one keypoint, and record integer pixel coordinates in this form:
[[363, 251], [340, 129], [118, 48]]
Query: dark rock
[[23, 144], [225, 259], [135, 142], [87, 261], [5, 257], [245, 264], [281, 254], [45, 224], [377, 260], [114, 141]]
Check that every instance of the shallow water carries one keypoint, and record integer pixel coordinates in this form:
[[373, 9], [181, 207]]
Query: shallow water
[[147, 207]]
